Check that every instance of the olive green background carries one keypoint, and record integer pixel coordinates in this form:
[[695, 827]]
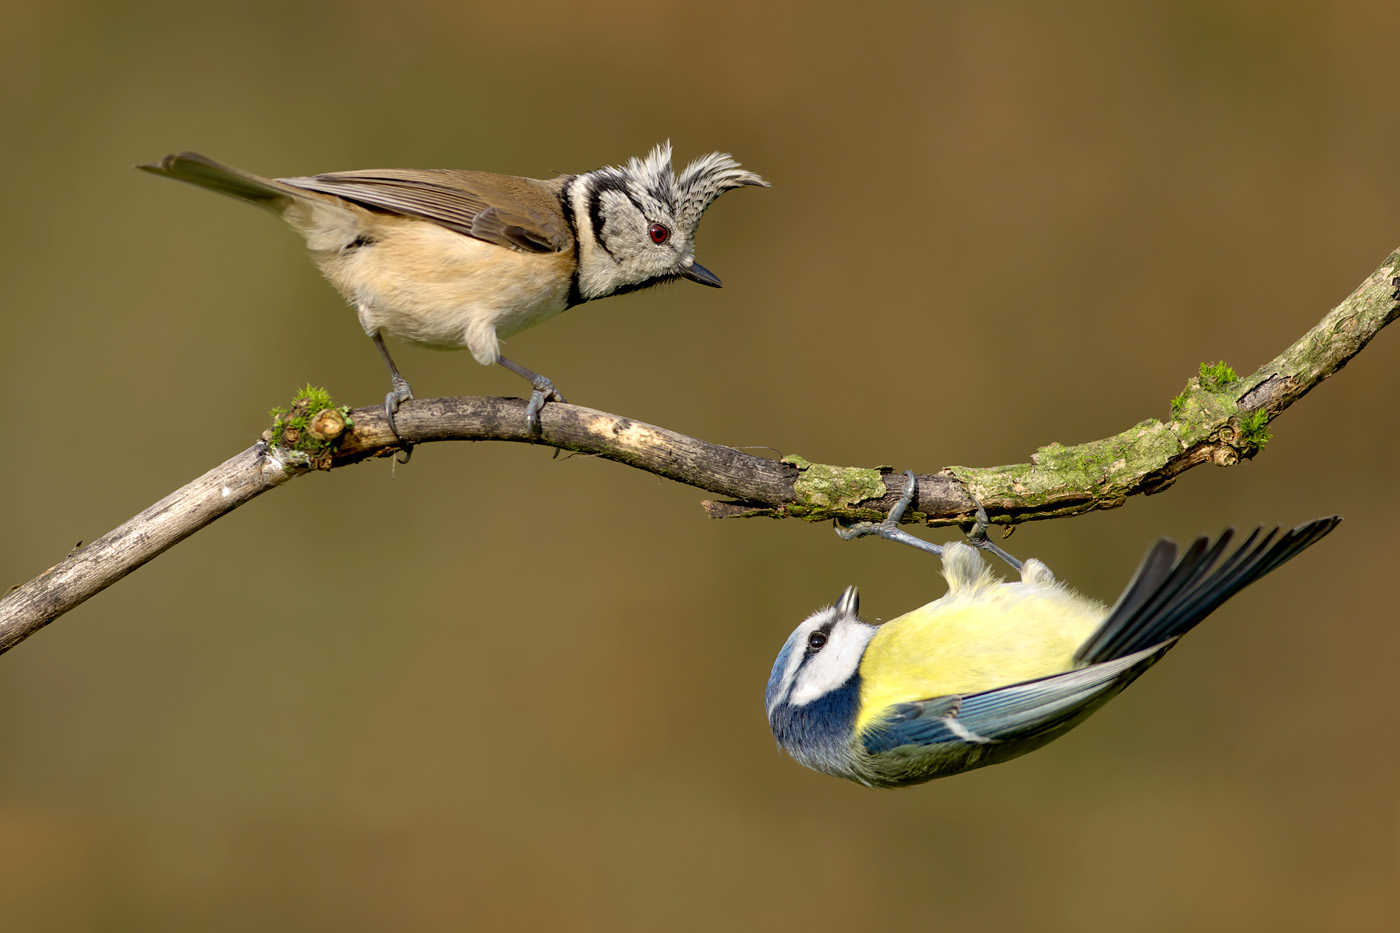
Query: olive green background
[[491, 690]]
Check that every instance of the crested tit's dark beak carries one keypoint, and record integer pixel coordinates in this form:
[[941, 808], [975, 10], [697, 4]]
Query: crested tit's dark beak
[[698, 273]]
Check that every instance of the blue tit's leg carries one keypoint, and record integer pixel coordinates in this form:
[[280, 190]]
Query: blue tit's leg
[[544, 391], [890, 531], [977, 537], [402, 393], [889, 528]]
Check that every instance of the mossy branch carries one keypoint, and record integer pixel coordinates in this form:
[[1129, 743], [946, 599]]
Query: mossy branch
[[1219, 418]]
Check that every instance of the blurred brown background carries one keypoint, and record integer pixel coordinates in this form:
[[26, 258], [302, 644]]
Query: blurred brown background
[[404, 700]]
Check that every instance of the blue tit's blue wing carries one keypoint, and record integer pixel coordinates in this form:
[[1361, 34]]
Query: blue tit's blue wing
[[1168, 597], [1008, 713]]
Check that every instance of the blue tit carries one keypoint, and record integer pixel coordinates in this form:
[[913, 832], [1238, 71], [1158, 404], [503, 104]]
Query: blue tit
[[992, 669]]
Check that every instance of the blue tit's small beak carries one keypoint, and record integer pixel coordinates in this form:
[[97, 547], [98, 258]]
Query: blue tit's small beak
[[698, 273], [849, 603]]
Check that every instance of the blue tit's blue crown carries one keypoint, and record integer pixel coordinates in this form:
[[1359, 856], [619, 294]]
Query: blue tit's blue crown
[[778, 689]]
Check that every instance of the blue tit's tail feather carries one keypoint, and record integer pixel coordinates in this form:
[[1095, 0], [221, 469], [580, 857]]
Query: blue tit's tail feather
[[1168, 597]]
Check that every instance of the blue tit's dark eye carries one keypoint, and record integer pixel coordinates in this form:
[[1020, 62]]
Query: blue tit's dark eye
[[816, 640], [659, 234]]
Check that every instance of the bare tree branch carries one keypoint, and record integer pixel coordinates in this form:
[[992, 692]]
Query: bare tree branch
[[1216, 420]]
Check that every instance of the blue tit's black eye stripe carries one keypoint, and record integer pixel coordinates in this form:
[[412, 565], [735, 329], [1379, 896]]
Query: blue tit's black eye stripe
[[817, 640]]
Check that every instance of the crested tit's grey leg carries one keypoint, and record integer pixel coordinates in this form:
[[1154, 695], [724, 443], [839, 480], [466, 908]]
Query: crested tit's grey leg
[[402, 393], [544, 391], [889, 528]]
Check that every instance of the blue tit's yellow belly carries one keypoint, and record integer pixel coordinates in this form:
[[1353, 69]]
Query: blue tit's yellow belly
[[962, 645]]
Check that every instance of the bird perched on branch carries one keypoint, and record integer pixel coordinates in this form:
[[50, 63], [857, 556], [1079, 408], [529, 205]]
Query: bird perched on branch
[[992, 669], [450, 258]]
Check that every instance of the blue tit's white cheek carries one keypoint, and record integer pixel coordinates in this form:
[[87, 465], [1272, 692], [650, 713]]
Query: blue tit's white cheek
[[835, 664]]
